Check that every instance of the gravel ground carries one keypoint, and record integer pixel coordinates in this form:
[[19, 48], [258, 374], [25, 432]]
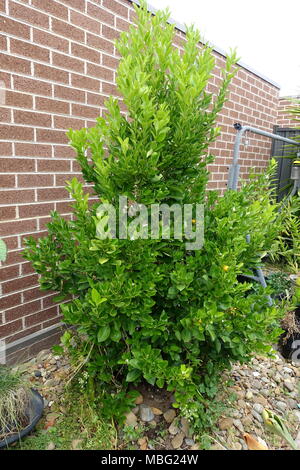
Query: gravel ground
[[265, 383]]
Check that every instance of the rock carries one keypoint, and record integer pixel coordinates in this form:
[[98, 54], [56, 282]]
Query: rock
[[241, 404], [262, 442], [225, 423], [156, 411], [258, 407], [143, 443], [292, 403], [173, 429], [169, 415], [51, 383], [146, 413], [238, 424], [257, 416], [280, 405], [262, 401], [189, 442], [256, 374], [289, 385], [42, 355], [184, 426], [139, 400], [135, 410], [256, 384], [131, 419], [177, 440], [247, 420], [51, 446], [37, 373], [195, 447], [237, 446], [76, 444], [249, 395], [214, 447]]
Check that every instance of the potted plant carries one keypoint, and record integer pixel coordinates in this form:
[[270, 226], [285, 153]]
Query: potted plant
[[289, 341], [20, 406]]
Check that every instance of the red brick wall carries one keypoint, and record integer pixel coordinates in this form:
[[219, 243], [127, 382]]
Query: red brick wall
[[58, 64], [284, 117]]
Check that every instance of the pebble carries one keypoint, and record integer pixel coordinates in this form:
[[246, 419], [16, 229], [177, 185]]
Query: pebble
[[258, 407], [289, 385], [51, 446], [156, 411], [257, 416], [225, 423], [173, 429], [146, 413], [177, 440], [281, 406], [139, 400], [189, 442], [131, 419], [238, 424], [249, 395], [37, 373], [169, 415]]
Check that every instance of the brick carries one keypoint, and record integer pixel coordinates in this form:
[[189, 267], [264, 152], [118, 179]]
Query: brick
[[13, 197], [110, 33], [50, 40], [61, 122], [32, 181], [29, 15], [100, 72], [2, 5], [52, 194], [10, 26], [124, 26], [3, 43], [29, 50], [97, 12], [99, 43], [9, 272], [5, 79], [10, 328], [85, 111], [52, 106], [7, 213], [53, 166], [19, 284], [26, 268], [32, 294], [116, 7], [7, 181], [63, 151], [85, 53], [22, 355], [70, 94], [85, 22], [41, 316], [67, 30], [55, 321], [10, 301], [110, 89], [23, 310], [95, 99], [16, 164], [15, 132], [17, 227], [52, 7], [32, 150], [51, 136], [68, 62], [109, 61], [19, 100], [5, 115], [51, 73], [63, 207], [30, 85], [35, 210], [78, 4], [32, 118], [14, 64], [85, 83]]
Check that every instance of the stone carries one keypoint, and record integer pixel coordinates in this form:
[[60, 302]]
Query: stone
[[51, 383], [139, 400], [173, 429], [156, 411], [257, 416], [225, 423], [280, 405], [146, 413], [249, 395], [289, 385], [37, 373], [238, 424], [42, 355], [169, 415], [241, 404], [237, 446], [256, 384], [131, 419], [262, 401], [51, 446], [177, 440], [247, 420], [184, 426], [214, 447], [258, 407], [189, 442]]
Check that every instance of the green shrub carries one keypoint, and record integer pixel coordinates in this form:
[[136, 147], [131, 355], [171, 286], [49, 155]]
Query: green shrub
[[150, 309]]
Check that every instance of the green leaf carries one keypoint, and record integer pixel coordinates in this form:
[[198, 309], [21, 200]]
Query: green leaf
[[103, 333], [133, 375]]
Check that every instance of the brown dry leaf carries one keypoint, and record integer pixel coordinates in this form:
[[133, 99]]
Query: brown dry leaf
[[252, 443]]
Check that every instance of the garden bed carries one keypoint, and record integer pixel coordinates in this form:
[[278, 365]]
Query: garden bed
[[68, 423]]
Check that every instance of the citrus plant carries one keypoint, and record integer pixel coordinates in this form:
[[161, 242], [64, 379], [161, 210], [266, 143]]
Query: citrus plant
[[149, 309]]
